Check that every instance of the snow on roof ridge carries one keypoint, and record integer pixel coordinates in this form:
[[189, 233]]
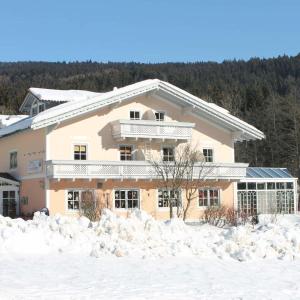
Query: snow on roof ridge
[[62, 95], [77, 103]]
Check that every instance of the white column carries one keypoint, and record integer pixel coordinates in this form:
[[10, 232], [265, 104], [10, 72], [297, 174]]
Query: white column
[[295, 196], [1, 201], [17, 201], [235, 204]]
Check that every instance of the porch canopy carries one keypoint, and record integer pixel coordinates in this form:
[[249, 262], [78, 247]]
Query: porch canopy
[[267, 190], [8, 180]]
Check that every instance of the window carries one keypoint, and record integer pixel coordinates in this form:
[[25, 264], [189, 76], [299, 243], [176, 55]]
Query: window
[[251, 186], [168, 154], [34, 110], [208, 154], [37, 107], [13, 160], [271, 185], [80, 152], [41, 107], [261, 186], [134, 115], [242, 186], [126, 199], [164, 196], [280, 185], [209, 197], [159, 116], [9, 204], [73, 200], [125, 152]]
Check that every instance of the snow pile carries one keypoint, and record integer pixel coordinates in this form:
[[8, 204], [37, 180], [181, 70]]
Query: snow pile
[[142, 236]]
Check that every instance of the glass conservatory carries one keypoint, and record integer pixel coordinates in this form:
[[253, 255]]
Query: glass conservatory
[[267, 191]]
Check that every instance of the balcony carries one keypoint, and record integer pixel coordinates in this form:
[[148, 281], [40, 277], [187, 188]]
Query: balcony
[[63, 169], [149, 129]]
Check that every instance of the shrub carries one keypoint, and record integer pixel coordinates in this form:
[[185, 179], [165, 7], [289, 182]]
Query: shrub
[[222, 215]]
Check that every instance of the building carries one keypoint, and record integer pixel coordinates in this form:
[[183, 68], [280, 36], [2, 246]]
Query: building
[[78, 142]]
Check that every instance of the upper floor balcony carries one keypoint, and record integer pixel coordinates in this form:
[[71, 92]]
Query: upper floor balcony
[[151, 129], [70, 169]]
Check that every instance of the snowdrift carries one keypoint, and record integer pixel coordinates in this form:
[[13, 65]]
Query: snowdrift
[[142, 236]]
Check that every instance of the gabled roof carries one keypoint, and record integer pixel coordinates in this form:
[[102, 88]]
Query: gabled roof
[[160, 89]]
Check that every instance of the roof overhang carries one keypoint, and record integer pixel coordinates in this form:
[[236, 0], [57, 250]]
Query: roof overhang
[[60, 113], [10, 180]]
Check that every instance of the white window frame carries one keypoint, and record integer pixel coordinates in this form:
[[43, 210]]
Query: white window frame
[[170, 147], [126, 199], [167, 207], [67, 200], [36, 105], [80, 190], [208, 197], [213, 153], [79, 144], [160, 112], [135, 111], [10, 153], [132, 151]]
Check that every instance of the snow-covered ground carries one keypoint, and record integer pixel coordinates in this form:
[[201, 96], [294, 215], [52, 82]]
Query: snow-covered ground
[[140, 258]]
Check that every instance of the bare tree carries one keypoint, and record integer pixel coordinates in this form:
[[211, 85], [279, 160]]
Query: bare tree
[[92, 204], [196, 174], [186, 170]]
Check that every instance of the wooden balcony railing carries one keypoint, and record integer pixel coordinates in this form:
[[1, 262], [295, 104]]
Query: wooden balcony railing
[[71, 169], [149, 129]]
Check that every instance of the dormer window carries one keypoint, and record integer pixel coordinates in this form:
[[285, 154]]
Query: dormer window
[[159, 116], [134, 115], [37, 107], [41, 107]]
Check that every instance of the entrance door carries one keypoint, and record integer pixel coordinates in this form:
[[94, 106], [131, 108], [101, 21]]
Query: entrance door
[[9, 204]]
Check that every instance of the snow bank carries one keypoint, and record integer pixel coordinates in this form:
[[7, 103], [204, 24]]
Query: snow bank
[[142, 236]]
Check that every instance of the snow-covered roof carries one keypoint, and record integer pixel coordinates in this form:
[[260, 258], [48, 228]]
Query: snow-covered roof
[[18, 126], [62, 95], [6, 120], [161, 89]]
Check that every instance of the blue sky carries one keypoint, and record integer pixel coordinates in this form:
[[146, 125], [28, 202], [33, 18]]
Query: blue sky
[[148, 30]]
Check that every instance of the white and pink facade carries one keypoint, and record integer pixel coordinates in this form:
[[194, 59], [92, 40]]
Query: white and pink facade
[[77, 141]]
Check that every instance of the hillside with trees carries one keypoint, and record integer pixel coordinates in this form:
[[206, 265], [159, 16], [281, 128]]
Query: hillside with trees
[[263, 92]]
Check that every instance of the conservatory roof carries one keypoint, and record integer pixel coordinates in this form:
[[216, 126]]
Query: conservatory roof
[[272, 173]]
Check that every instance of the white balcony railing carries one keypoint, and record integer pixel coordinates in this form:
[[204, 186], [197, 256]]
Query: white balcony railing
[[149, 129], [61, 169]]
